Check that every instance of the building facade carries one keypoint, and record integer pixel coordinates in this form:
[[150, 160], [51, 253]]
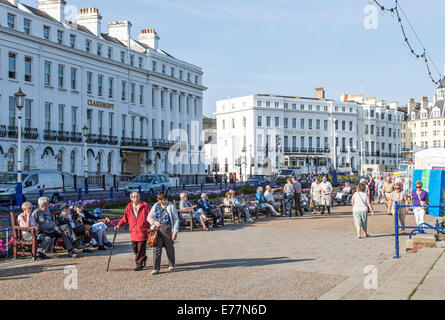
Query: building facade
[[136, 100], [265, 133], [424, 127]]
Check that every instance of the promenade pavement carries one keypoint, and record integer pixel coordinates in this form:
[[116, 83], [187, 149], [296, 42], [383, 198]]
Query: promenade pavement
[[309, 257]]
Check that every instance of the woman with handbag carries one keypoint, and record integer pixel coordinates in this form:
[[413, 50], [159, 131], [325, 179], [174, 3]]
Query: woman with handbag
[[163, 217], [135, 216], [360, 208]]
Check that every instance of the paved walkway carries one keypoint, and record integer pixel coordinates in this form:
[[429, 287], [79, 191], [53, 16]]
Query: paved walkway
[[310, 257]]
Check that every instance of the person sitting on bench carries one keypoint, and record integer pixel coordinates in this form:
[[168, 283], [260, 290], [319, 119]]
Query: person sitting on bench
[[209, 211], [186, 207]]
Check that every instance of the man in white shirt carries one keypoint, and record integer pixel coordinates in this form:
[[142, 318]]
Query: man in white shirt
[[268, 194], [326, 189]]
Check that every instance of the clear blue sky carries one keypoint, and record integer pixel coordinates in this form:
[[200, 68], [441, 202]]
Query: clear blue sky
[[289, 47]]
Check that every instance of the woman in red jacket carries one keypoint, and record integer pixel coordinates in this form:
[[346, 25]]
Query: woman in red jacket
[[135, 216]]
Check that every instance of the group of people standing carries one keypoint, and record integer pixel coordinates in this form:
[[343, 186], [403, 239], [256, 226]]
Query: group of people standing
[[321, 195], [392, 193]]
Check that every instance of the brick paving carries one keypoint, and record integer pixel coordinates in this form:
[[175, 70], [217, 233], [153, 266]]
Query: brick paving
[[307, 257]]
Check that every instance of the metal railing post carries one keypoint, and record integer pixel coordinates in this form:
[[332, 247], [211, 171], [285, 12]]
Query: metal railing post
[[79, 194], [111, 192], [396, 227], [41, 192]]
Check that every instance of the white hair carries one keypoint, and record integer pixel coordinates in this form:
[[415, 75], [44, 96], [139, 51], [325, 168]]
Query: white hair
[[183, 195], [26, 205], [203, 195], [133, 193], [42, 201], [260, 189]]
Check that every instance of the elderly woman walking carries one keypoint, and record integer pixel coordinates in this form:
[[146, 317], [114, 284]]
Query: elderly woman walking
[[401, 198], [163, 215], [360, 208]]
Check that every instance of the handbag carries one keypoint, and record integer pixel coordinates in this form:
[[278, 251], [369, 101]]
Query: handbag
[[153, 233], [363, 202]]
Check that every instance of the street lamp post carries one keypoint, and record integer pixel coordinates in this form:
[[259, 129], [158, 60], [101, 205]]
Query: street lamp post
[[19, 102], [250, 156], [85, 159], [334, 142]]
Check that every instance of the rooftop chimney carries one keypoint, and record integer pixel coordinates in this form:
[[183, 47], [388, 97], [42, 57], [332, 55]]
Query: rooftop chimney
[[424, 103], [90, 18], [411, 105], [120, 30], [319, 93], [55, 8], [150, 38]]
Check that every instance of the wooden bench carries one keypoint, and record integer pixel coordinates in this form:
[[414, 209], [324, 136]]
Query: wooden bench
[[258, 210], [231, 211], [188, 221], [19, 241]]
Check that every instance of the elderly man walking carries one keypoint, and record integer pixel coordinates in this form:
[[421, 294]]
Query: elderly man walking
[[387, 189], [326, 189], [297, 196], [136, 214]]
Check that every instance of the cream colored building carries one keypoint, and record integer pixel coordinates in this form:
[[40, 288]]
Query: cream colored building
[[424, 125]]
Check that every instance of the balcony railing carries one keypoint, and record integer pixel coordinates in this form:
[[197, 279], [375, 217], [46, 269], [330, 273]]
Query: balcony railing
[[27, 133], [50, 135], [76, 137], [126, 141], [112, 140], [63, 135], [162, 143], [101, 139], [12, 131], [92, 138]]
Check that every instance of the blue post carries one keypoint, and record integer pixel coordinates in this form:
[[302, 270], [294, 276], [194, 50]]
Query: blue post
[[7, 241], [183, 187], [41, 192], [79, 194], [396, 224], [140, 189], [19, 194], [111, 192], [86, 185], [202, 187], [163, 187], [220, 186], [234, 185]]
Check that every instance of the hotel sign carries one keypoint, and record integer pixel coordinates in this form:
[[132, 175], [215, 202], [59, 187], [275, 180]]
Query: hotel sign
[[100, 104]]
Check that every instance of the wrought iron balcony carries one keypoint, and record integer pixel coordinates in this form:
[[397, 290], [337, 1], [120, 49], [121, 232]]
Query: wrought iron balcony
[[63, 135], [76, 137], [112, 140], [162, 143], [101, 139], [12, 131], [50, 135], [126, 141], [91, 138]]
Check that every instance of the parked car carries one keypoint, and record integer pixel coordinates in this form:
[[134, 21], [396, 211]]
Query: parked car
[[150, 183], [258, 180], [50, 182]]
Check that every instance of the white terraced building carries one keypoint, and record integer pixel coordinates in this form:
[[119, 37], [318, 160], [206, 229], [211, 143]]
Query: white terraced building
[[135, 98], [267, 132]]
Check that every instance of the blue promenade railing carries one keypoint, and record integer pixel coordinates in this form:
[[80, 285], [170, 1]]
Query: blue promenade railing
[[439, 227]]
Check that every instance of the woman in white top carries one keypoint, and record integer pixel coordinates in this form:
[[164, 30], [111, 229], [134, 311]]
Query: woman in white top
[[316, 195], [360, 208]]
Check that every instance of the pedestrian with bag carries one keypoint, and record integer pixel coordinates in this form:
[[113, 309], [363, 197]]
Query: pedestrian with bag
[[163, 218], [419, 201], [135, 215], [360, 209]]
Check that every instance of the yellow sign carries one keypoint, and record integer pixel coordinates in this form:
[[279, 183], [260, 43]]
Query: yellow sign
[[100, 104]]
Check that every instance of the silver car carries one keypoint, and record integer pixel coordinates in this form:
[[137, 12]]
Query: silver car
[[149, 183]]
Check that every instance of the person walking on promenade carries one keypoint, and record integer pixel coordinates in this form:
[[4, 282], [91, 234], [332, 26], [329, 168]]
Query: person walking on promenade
[[360, 208], [399, 196], [135, 216], [288, 190], [316, 196], [297, 196], [387, 189], [419, 200], [163, 215], [378, 188], [326, 189], [371, 188]]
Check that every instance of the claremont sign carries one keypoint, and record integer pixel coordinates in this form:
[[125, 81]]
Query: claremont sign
[[100, 104]]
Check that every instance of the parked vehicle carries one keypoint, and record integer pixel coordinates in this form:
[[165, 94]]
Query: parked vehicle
[[150, 183], [33, 182], [258, 180]]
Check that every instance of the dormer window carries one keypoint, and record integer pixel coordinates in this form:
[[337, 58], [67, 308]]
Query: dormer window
[[413, 116]]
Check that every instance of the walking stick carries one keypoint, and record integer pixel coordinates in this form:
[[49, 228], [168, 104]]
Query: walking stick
[[111, 251]]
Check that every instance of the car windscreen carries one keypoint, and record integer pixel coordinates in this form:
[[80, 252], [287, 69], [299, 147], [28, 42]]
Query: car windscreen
[[144, 179], [257, 177], [11, 178], [286, 172]]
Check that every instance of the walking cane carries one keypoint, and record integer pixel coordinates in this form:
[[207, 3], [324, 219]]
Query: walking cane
[[111, 251]]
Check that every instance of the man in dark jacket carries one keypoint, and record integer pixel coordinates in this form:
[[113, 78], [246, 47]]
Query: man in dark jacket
[[209, 211], [97, 225], [73, 225]]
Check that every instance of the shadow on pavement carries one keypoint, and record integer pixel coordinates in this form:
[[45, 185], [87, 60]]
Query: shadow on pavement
[[20, 272], [229, 263]]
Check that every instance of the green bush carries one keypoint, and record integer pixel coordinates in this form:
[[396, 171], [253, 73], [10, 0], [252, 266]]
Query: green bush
[[247, 189]]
